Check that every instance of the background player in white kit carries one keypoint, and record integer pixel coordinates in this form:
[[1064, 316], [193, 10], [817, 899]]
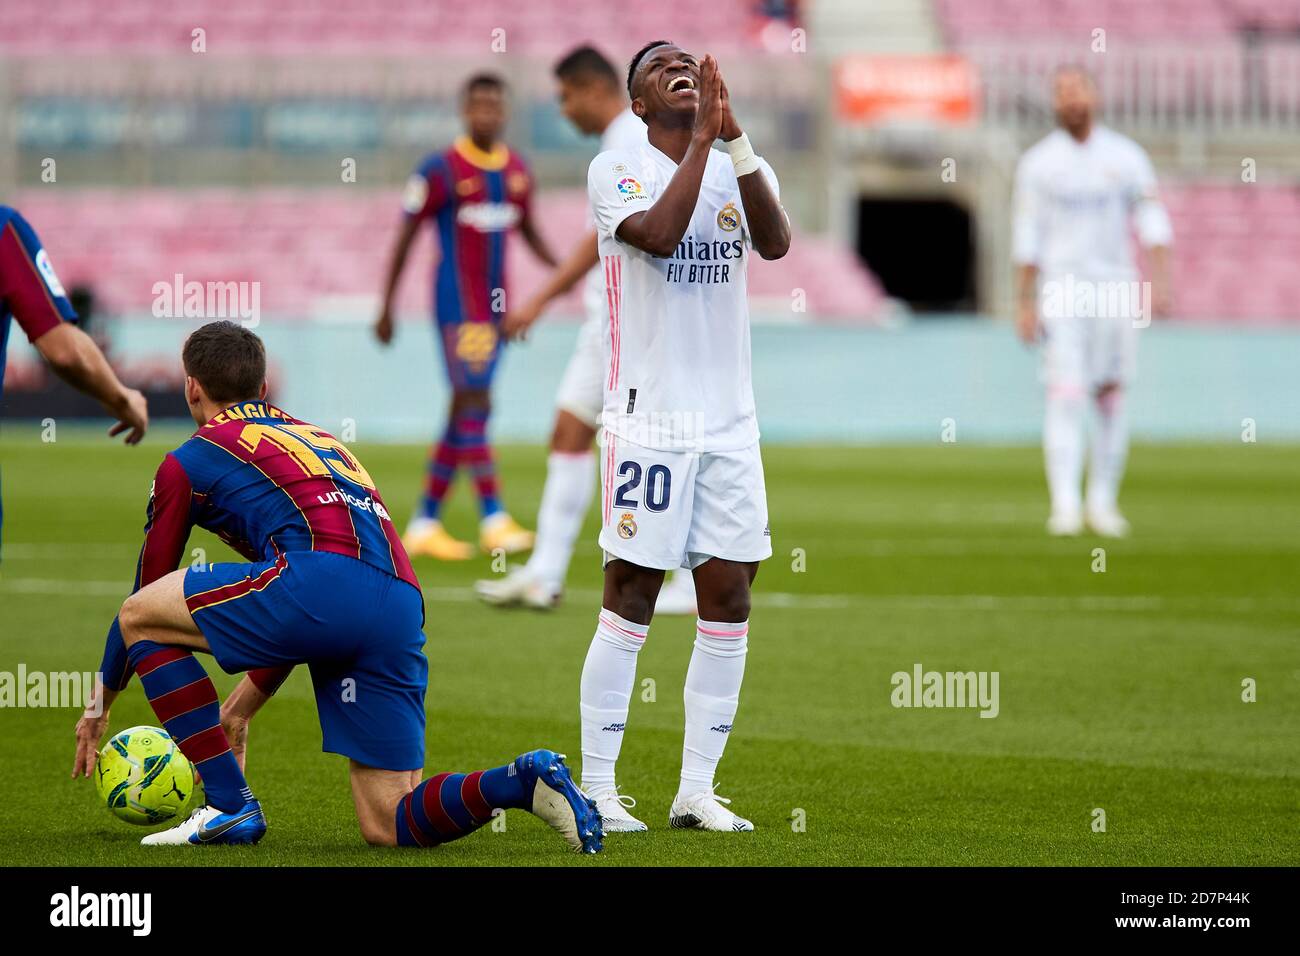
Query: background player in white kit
[[1078, 191], [682, 475], [591, 97]]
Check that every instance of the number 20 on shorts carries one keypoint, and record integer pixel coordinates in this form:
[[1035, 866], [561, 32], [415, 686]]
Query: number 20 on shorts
[[656, 493]]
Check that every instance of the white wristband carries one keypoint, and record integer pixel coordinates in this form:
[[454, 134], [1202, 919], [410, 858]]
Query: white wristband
[[742, 155]]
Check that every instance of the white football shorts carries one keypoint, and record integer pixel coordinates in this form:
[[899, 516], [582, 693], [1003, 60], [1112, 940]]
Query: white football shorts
[[1085, 352], [666, 510]]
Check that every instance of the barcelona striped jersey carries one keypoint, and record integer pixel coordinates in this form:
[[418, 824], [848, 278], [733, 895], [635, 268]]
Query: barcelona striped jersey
[[474, 198], [268, 484]]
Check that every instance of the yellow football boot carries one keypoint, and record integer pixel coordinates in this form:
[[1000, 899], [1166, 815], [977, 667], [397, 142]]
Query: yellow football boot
[[427, 538], [503, 532]]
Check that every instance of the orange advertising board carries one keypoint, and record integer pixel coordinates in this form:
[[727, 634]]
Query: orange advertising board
[[936, 88]]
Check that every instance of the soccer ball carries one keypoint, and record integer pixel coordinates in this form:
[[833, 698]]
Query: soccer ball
[[142, 777]]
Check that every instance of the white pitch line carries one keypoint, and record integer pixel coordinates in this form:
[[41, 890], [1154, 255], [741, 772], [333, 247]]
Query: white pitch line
[[26, 551], [867, 548], [957, 603]]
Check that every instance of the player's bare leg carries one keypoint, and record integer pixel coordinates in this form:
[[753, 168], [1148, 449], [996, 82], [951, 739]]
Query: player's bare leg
[[1106, 468], [160, 636], [157, 612], [397, 808], [712, 692]]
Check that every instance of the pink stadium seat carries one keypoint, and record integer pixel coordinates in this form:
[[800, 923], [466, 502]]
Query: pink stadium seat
[[396, 26], [303, 246], [1236, 246]]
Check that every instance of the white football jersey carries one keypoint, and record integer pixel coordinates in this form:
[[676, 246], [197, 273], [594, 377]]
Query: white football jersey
[[1074, 203], [625, 132], [676, 330]]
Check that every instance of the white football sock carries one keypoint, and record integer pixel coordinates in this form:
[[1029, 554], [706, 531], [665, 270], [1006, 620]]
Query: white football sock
[[1063, 449], [712, 695], [1109, 451], [566, 496], [608, 677]]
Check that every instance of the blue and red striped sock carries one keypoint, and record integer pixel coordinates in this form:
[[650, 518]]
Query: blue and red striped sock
[[475, 454], [447, 806], [440, 473], [186, 704]]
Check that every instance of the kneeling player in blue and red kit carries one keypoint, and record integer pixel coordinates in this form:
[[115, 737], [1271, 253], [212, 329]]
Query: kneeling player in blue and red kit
[[327, 584]]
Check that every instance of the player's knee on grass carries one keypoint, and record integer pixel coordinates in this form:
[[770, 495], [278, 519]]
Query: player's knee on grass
[[376, 794]]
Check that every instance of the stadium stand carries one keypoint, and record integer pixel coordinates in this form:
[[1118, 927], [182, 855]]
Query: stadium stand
[[309, 247], [343, 27]]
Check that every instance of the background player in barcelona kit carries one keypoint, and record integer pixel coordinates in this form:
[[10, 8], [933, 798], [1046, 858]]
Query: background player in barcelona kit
[[31, 293], [683, 479], [474, 194], [326, 583], [593, 100]]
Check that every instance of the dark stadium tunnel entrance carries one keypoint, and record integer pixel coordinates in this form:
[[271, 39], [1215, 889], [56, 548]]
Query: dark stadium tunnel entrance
[[922, 250]]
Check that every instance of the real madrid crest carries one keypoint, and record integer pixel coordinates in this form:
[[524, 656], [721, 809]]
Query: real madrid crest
[[728, 217], [626, 525]]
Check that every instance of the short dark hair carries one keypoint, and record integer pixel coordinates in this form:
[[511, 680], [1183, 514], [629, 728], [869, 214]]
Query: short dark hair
[[640, 55], [227, 359], [484, 81], [584, 64]]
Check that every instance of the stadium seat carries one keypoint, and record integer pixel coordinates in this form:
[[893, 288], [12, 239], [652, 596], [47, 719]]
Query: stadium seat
[[309, 246]]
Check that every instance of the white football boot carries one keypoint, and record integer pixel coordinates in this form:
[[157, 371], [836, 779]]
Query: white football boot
[[1065, 524], [705, 811], [1107, 522], [613, 808], [677, 596], [518, 587], [208, 826]]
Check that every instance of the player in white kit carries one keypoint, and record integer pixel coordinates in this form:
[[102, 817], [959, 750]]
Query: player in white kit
[[1079, 190], [591, 97], [682, 479]]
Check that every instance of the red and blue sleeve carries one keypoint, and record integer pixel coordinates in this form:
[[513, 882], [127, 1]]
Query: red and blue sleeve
[[523, 175], [28, 284], [426, 190], [166, 530]]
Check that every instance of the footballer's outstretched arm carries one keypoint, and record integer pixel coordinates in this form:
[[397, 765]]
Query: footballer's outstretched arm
[[77, 360], [580, 261], [536, 241], [242, 704], [396, 263]]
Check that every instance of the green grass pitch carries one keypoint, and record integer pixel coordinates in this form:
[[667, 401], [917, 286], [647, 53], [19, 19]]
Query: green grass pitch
[[1119, 690]]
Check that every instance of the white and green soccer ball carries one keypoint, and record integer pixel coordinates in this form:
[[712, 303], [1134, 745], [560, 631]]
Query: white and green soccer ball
[[143, 777]]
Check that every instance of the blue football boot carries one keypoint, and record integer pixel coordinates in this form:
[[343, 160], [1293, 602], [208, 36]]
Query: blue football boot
[[210, 826], [558, 801]]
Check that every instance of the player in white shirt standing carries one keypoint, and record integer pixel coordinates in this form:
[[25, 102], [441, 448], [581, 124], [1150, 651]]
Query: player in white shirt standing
[[682, 475], [1079, 190], [591, 97]]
